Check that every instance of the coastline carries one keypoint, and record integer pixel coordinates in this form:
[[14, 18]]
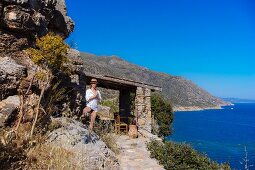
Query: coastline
[[199, 108], [198, 129]]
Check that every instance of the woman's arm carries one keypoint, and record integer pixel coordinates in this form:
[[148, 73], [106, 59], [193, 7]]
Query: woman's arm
[[99, 96], [90, 95]]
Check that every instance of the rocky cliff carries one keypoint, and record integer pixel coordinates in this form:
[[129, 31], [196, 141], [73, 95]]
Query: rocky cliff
[[21, 21], [89, 151], [184, 94]]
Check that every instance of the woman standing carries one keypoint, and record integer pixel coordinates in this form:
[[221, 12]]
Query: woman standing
[[93, 96]]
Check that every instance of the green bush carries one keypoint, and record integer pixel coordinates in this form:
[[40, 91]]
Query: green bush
[[113, 104], [163, 114], [50, 55], [50, 52], [181, 156]]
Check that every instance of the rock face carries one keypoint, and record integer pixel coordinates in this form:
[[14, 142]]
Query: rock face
[[23, 20], [76, 83], [60, 19], [7, 109], [10, 75], [89, 150]]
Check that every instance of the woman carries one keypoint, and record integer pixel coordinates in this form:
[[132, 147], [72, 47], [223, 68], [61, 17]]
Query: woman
[[93, 96]]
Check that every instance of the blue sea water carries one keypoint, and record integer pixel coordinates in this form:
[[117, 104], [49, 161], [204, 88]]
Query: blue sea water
[[221, 134]]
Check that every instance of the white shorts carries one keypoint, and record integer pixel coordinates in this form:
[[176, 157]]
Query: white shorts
[[93, 108]]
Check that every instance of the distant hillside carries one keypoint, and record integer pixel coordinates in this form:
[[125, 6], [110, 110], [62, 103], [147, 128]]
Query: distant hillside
[[237, 100], [183, 94]]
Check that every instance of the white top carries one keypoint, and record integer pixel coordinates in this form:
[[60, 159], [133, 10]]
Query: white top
[[93, 104]]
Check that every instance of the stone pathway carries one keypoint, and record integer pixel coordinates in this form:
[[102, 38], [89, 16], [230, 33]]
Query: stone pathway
[[134, 154]]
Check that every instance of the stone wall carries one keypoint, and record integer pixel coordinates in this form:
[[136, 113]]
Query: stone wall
[[143, 108]]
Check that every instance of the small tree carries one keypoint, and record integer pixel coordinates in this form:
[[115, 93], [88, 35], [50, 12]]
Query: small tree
[[50, 55], [163, 114]]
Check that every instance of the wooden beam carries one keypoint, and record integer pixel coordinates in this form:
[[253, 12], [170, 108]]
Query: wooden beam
[[118, 83]]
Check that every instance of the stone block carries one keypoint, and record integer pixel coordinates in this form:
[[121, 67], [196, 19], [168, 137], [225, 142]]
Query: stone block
[[139, 99], [8, 107], [147, 92], [139, 91]]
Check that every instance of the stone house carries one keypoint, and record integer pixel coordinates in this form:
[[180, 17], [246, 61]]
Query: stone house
[[125, 87]]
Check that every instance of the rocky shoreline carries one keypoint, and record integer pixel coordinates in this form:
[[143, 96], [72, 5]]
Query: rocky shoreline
[[198, 108]]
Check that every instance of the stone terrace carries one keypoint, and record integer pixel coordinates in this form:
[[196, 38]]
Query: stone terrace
[[134, 154]]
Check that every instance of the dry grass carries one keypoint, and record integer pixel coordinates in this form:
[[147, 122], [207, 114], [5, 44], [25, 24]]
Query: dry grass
[[104, 131], [50, 157], [110, 141]]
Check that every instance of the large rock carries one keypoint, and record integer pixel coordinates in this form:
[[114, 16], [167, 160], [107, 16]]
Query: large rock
[[60, 20], [20, 2], [12, 42], [76, 62], [17, 18], [76, 84], [21, 22], [24, 19], [87, 147], [8, 109], [10, 76]]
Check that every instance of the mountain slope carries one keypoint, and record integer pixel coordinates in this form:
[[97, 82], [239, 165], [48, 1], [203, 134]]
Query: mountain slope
[[183, 94]]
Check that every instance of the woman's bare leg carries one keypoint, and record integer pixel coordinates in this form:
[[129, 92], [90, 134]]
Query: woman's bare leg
[[86, 110], [92, 119]]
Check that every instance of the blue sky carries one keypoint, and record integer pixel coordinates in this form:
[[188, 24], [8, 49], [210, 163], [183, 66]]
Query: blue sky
[[211, 42]]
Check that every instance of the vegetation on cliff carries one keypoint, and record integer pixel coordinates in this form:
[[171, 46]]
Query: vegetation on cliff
[[175, 156], [50, 55], [162, 112], [50, 59]]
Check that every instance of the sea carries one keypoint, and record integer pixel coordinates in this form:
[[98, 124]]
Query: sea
[[224, 135]]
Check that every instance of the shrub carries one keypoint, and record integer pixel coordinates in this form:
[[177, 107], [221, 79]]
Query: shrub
[[181, 156], [50, 55], [113, 104], [50, 52], [163, 114]]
